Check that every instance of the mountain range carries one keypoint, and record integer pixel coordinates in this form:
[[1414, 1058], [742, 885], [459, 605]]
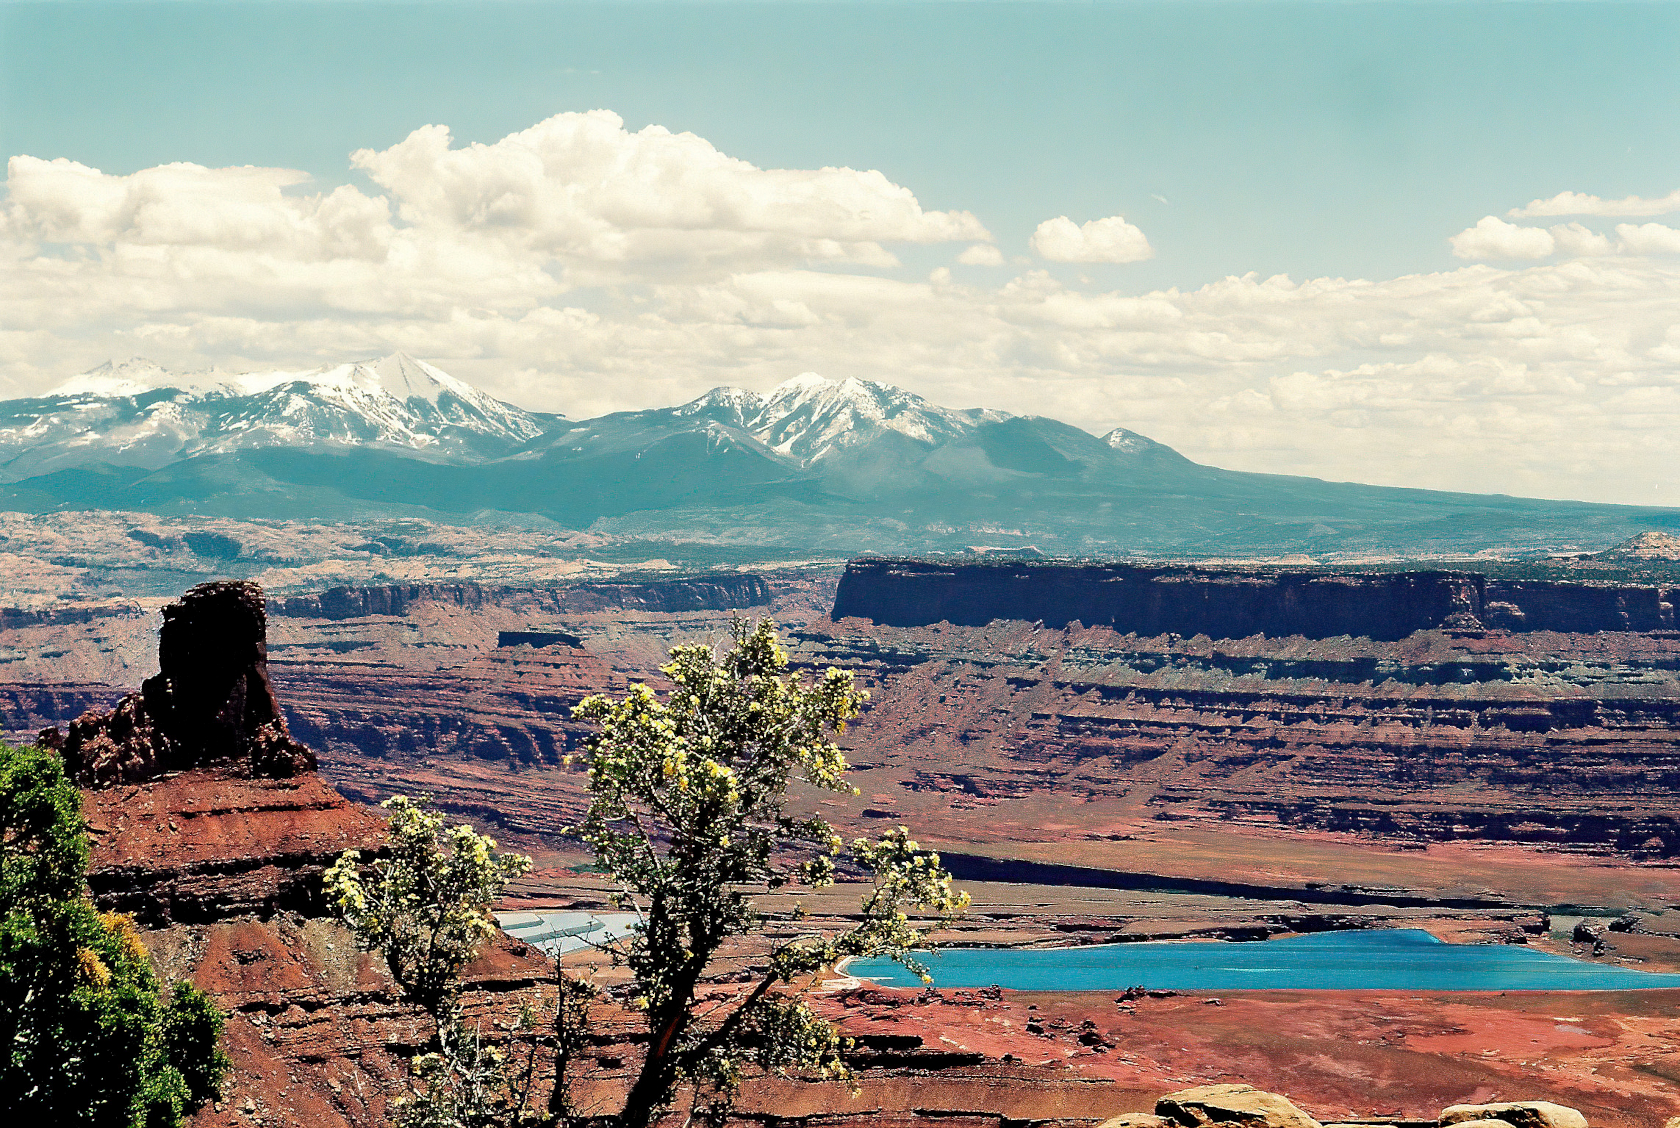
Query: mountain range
[[814, 466]]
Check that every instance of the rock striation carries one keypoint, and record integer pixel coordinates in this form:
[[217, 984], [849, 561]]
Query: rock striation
[[720, 592], [1547, 738], [211, 701], [1185, 600]]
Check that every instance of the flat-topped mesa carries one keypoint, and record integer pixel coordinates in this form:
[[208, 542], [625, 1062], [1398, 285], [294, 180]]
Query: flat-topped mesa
[[210, 703], [1185, 600]]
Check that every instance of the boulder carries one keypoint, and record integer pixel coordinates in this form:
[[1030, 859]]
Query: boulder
[[1523, 1114], [1231, 1104], [1583, 933], [1136, 1120]]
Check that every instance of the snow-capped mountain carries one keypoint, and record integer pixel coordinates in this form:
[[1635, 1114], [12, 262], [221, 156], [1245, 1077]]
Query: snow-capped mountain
[[809, 417], [138, 414], [814, 466], [856, 439], [397, 435]]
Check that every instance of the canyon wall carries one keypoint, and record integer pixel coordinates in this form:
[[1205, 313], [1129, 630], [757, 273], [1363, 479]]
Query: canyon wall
[[994, 732], [1186, 600], [12, 617], [722, 591], [1088, 783]]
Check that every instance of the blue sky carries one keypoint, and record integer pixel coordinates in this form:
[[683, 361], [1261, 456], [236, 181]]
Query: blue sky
[[1308, 139], [1317, 141]]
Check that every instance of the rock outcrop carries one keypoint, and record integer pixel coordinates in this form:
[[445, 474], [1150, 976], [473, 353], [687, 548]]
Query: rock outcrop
[[210, 702], [1646, 546], [1184, 600], [209, 824], [1247, 1107], [1231, 1104], [1522, 1114]]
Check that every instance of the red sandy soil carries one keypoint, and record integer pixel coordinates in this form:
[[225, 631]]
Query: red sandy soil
[[969, 1058], [1613, 1055]]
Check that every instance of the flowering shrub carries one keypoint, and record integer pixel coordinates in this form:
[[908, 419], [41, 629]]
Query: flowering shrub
[[89, 1039]]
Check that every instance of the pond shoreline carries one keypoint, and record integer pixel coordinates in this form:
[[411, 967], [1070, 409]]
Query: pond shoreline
[[1356, 960]]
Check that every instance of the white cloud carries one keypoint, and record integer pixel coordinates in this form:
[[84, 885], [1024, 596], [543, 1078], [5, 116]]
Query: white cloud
[[582, 268], [1649, 238], [1493, 238], [582, 189], [1100, 240], [981, 254], [1574, 239], [1577, 203]]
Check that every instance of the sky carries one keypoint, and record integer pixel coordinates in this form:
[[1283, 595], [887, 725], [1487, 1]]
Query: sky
[[1431, 245]]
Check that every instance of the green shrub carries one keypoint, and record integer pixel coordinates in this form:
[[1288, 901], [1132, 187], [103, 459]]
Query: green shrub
[[90, 1040]]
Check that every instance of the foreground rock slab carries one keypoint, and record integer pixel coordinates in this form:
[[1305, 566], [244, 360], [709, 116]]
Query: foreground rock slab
[[1523, 1114], [1231, 1104]]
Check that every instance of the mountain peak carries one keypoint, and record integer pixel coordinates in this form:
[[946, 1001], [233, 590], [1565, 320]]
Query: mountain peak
[[406, 378], [394, 401], [1122, 441], [802, 382], [114, 378]]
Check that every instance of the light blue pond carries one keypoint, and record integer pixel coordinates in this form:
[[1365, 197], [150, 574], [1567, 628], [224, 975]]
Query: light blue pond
[[561, 933], [1388, 960]]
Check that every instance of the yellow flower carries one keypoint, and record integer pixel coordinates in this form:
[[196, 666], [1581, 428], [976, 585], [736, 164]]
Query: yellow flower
[[93, 968]]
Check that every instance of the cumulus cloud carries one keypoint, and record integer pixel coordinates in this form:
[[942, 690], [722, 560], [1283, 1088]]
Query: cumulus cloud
[[1100, 240], [1577, 203], [1574, 239], [1649, 238], [580, 267], [581, 188], [1493, 238], [981, 254], [574, 200]]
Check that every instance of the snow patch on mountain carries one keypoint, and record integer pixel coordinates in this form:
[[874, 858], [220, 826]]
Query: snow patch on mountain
[[1130, 442], [810, 417], [138, 413]]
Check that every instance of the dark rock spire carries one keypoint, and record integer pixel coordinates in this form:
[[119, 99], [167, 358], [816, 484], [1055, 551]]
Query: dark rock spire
[[210, 703]]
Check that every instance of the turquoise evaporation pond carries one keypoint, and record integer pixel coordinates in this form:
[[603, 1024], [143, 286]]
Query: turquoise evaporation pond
[[1402, 959]]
